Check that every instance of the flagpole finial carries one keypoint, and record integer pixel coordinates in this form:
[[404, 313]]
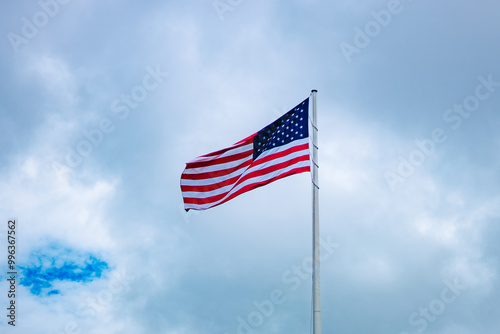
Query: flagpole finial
[[314, 91]]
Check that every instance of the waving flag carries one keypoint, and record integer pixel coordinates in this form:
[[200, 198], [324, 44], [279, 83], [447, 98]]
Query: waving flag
[[278, 150]]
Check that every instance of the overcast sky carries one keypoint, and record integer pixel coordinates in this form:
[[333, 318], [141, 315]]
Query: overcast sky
[[103, 102]]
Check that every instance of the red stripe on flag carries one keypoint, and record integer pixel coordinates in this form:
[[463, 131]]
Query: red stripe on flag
[[218, 173], [219, 161]]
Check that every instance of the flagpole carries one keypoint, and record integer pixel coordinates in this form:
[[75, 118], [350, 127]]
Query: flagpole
[[315, 217]]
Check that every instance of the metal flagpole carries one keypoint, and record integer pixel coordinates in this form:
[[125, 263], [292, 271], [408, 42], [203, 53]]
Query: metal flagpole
[[315, 216]]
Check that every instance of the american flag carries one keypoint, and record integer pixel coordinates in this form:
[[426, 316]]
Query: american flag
[[278, 150]]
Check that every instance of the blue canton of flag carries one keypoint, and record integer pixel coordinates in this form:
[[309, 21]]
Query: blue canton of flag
[[289, 127]]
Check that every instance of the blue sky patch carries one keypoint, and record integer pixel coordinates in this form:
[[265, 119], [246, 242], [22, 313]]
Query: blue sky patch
[[54, 264]]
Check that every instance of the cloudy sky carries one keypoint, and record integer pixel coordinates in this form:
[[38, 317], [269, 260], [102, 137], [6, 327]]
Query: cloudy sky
[[103, 102]]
